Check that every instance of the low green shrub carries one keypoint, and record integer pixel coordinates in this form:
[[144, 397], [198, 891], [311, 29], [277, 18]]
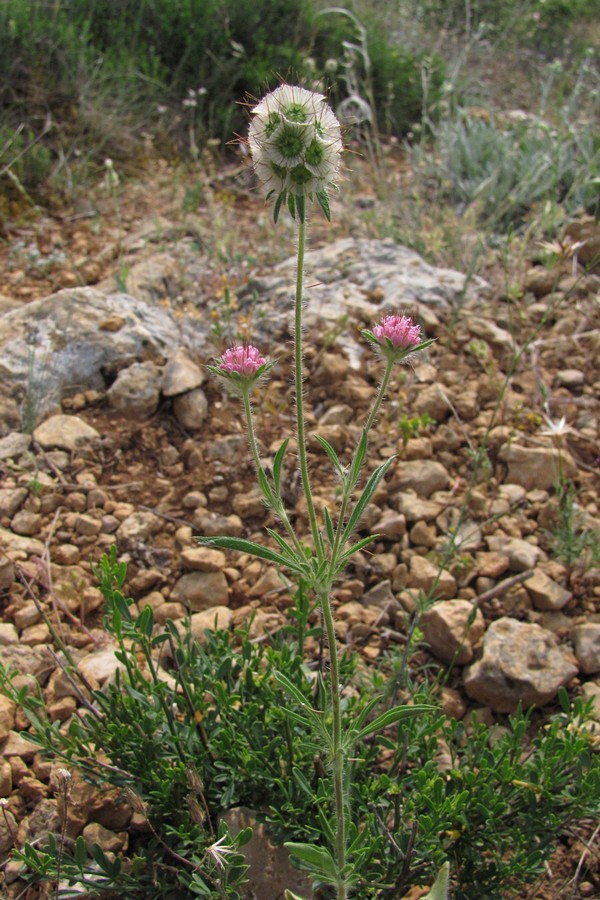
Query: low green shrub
[[218, 731]]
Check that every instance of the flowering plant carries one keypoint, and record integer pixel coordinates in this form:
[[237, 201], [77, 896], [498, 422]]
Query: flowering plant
[[296, 146]]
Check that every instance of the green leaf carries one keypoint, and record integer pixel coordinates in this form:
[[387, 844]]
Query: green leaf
[[286, 548], [317, 859], [295, 692], [363, 501], [292, 205], [359, 458], [328, 526], [145, 621], [244, 546], [391, 716], [364, 542], [439, 891], [278, 204], [264, 485], [277, 464], [330, 453], [289, 895], [323, 201]]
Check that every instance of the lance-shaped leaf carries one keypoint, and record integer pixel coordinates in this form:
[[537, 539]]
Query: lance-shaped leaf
[[439, 891], [277, 464], [359, 458], [365, 497], [330, 453], [244, 546], [316, 859], [391, 717]]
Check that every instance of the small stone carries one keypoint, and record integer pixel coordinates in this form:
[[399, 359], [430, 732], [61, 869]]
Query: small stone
[[94, 833], [139, 526], [545, 593], [10, 500], [213, 525], [64, 432], [415, 508], [191, 409], [425, 576], [67, 555], [26, 523], [493, 334], [491, 565], [570, 378], [453, 629], [27, 615], [181, 375], [7, 572], [540, 281], [521, 554], [424, 477], [14, 445], [249, 505], [270, 582], [7, 716], [169, 612], [200, 590], [136, 391], [521, 663], [536, 467], [17, 745], [391, 526], [452, 703], [432, 400], [339, 414], [380, 596], [100, 665], [203, 559], [88, 525], [586, 639]]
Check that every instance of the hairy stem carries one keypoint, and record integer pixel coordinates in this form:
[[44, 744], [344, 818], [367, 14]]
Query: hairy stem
[[300, 424]]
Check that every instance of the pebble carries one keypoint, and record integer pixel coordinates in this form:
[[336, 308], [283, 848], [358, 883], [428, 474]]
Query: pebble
[[136, 390], [426, 577], [586, 639], [64, 432], [453, 629], [200, 590]]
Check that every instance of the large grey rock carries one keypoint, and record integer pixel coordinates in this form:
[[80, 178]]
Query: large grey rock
[[68, 341], [361, 277], [521, 663]]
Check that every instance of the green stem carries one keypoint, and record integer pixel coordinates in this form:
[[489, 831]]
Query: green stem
[[338, 761], [351, 484], [272, 499], [300, 424]]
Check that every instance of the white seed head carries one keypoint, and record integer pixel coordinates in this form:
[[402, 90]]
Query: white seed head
[[295, 142]]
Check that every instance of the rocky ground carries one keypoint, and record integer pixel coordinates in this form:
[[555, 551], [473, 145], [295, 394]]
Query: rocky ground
[[113, 434]]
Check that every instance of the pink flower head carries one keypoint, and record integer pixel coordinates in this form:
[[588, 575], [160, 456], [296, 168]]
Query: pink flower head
[[245, 360], [400, 330]]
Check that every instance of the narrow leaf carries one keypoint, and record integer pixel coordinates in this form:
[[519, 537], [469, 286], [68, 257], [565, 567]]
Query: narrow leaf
[[330, 453], [278, 204], [364, 542], [265, 487], [295, 692], [323, 201], [359, 458], [397, 714], [286, 548], [328, 526], [277, 464], [365, 497], [244, 546]]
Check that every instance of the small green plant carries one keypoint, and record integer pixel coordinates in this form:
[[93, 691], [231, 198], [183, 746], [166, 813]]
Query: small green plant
[[571, 540], [410, 426]]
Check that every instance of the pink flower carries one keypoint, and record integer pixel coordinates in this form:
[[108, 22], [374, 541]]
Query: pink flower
[[400, 330], [245, 360]]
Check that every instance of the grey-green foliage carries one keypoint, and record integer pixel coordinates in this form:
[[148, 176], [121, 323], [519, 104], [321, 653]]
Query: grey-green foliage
[[506, 168]]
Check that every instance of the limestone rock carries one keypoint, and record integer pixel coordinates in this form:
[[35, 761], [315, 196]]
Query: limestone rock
[[586, 638], [14, 445], [200, 590], [203, 559], [521, 554], [191, 409], [521, 663], [535, 467], [492, 334], [181, 374], [447, 630], [136, 391], [94, 833], [380, 596], [7, 572], [64, 432], [79, 335], [139, 526], [214, 525], [545, 593], [215, 617], [424, 477], [414, 508], [424, 576]]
